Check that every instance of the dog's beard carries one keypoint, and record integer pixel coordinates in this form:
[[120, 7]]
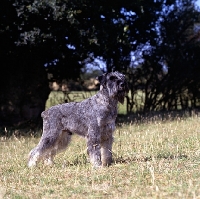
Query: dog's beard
[[112, 90], [120, 96], [117, 93]]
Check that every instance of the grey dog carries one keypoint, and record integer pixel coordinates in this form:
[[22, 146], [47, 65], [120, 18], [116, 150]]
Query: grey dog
[[93, 118]]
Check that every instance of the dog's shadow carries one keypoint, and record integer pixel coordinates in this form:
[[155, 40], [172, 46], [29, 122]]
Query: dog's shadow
[[83, 159], [146, 157]]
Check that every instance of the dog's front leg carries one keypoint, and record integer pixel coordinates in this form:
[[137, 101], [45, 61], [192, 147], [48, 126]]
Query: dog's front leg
[[106, 151], [94, 145], [106, 144]]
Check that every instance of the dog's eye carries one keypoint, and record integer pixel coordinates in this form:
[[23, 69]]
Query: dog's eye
[[112, 78]]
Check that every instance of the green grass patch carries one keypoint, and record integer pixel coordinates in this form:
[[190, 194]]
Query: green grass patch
[[152, 159]]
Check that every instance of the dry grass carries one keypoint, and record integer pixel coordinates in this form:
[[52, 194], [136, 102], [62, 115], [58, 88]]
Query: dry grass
[[151, 160]]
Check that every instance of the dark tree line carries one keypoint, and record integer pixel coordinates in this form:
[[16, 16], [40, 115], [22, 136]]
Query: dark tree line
[[169, 76], [38, 37]]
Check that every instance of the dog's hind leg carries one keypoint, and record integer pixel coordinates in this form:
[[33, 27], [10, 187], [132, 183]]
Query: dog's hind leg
[[61, 144], [52, 129], [42, 150]]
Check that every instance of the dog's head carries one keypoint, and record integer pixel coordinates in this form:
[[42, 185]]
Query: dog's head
[[116, 85]]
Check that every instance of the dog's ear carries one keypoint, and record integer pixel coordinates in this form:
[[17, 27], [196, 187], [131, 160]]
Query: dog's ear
[[102, 79]]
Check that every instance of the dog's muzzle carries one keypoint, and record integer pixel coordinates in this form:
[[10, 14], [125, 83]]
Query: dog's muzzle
[[122, 86]]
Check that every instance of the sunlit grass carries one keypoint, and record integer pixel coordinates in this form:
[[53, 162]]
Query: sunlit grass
[[152, 159]]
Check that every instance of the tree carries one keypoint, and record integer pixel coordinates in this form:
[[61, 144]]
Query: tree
[[59, 37], [63, 36], [171, 66]]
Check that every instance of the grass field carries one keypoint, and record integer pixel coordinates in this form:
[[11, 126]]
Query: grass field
[[152, 159]]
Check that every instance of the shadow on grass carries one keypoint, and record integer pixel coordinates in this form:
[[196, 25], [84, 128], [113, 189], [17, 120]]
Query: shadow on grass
[[145, 158], [78, 160], [168, 155], [83, 159]]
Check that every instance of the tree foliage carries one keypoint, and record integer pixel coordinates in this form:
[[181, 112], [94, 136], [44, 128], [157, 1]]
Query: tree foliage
[[169, 74], [58, 37]]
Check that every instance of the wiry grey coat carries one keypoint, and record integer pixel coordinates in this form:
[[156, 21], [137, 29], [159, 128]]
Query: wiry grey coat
[[93, 118]]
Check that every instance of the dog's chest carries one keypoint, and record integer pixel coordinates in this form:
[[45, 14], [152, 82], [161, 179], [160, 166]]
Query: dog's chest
[[105, 111], [106, 116]]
